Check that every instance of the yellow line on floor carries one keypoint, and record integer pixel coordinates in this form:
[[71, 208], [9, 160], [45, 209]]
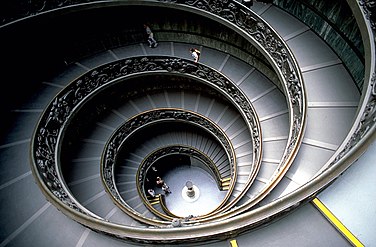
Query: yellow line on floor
[[233, 243], [338, 224]]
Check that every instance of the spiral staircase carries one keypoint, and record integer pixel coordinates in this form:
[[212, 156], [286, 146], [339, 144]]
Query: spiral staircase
[[269, 124]]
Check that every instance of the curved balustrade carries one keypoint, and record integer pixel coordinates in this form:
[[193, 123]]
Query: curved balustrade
[[149, 161], [254, 29], [137, 124], [56, 118], [160, 199], [259, 33], [45, 149], [364, 125], [360, 136]]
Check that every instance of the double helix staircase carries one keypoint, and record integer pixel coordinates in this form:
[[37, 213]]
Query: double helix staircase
[[252, 167]]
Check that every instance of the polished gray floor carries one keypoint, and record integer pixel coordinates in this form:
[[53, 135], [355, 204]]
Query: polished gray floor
[[209, 193], [355, 192], [37, 223]]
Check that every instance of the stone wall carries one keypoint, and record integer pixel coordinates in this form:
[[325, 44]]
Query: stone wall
[[334, 22]]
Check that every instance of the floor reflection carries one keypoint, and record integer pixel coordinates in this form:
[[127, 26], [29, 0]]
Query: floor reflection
[[209, 195]]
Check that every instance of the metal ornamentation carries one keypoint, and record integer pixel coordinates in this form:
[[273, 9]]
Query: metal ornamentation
[[24, 8], [44, 158], [45, 142], [57, 115], [137, 123], [368, 116], [170, 150], [176, 149], [238, 97], [369, 10], [265, 37], [366, 123], [280, 55], [228, 9]]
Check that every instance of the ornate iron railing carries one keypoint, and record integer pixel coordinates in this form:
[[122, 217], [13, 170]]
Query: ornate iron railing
[[160, 153], [141, 121], [229, 13], [57, 116]]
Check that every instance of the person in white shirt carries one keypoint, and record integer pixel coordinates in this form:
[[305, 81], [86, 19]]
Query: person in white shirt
[[195, 54], [151, 192]]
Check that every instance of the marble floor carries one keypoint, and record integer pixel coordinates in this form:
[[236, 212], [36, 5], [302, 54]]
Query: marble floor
[[207, 194]]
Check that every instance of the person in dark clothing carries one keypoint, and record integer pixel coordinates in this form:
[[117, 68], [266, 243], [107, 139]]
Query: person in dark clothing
[[152, 42], [159, 182]]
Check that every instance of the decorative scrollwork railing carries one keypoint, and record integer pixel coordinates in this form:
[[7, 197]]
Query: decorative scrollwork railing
[[136, 124], [229, 13], [153, 157], [263, 36], [57, 116], [365, 122], [251, 26]]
